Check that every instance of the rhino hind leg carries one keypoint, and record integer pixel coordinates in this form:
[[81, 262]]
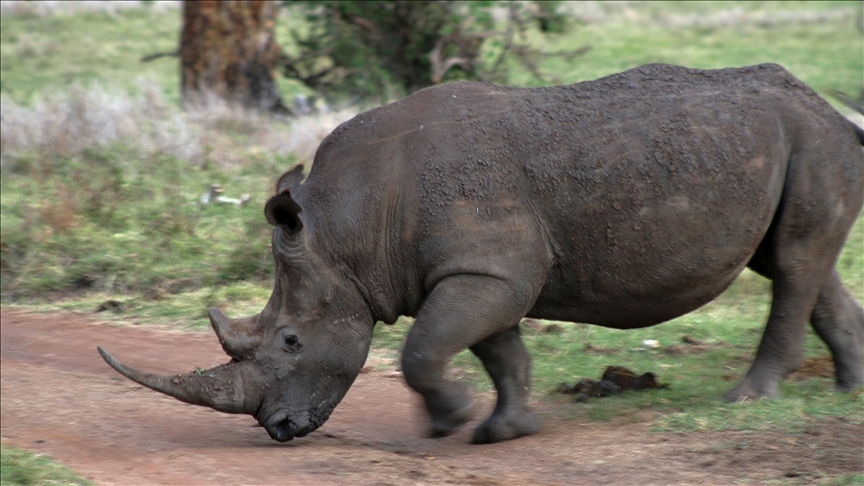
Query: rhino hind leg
[[798, 254], [509, 365], [462, 311], [782, 347], [839, 321]]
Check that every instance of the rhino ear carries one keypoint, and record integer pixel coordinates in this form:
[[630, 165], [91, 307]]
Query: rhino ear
[[290, 180], [282, 211]]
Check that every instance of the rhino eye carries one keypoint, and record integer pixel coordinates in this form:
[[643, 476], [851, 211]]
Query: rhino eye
[[292, 344]]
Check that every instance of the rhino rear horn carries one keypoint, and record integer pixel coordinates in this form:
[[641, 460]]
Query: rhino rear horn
[[238, 337], [290, 180]]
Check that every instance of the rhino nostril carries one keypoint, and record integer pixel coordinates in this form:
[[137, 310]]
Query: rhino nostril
[[282, 433]]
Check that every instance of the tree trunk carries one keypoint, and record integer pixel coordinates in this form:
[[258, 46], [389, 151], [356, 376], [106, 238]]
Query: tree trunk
[[228, 49]]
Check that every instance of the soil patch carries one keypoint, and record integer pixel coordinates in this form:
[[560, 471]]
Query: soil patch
[[813, 367], [60, 398]]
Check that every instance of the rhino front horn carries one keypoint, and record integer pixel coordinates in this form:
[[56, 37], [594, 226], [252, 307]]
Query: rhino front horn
[[220, 388], [238, 337]]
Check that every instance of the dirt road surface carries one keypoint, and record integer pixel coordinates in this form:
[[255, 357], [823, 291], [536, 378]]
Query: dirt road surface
[[60, 398]]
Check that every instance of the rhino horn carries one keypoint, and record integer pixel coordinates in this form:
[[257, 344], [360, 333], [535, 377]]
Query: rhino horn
[[221, 388], [238, 337]]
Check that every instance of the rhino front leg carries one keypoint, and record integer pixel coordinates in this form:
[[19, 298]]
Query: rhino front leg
[[509, 365], [462, 311]]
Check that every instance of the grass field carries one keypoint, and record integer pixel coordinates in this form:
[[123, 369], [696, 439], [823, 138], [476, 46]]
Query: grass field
[[102, 174], [21, 468]]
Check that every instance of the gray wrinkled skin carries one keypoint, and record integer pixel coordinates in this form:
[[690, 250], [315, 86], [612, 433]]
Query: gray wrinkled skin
[[622, 202]]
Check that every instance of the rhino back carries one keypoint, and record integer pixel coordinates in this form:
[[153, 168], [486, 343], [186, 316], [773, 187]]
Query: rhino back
[[649, 189]]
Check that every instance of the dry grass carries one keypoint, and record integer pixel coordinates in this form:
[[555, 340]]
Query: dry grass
[[65, 7], [706, 15], [213, 132], [65, 124], [231, 133]]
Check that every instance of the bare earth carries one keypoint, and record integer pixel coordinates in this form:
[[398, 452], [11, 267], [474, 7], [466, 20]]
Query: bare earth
[[60, 398]]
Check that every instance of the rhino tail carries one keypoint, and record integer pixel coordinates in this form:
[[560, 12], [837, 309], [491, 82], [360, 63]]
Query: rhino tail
[[848, 101], [860, 132]]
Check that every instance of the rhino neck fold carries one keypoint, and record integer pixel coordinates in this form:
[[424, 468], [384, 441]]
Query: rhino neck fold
[[376, 311]]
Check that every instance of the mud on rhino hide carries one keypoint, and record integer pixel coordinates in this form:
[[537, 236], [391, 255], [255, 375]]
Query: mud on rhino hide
[[622, 202]]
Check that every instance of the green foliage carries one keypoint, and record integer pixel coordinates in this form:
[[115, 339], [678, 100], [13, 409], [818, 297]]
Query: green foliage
[[382, 50], [21, 468]]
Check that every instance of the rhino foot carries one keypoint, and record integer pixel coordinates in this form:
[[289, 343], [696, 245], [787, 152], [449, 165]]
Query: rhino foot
[[507, 426], [747, 390], [444, 425], [846, 387]]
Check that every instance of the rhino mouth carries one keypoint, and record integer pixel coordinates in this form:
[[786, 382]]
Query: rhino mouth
[[284, 426], [284, 423]]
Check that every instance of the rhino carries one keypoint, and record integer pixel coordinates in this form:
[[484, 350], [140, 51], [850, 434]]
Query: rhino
[[623, 202]]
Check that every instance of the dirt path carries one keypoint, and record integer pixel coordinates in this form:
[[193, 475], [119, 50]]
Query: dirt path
[[60, 398]]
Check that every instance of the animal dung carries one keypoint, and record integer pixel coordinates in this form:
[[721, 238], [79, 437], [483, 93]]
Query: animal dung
[[536, 326], [615, 380]]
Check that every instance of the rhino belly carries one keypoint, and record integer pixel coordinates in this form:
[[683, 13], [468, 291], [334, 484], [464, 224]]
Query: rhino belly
[[634, 263]]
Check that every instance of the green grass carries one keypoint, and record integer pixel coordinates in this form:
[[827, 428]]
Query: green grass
[[826, 54], [184, 310], [21, 468], [848, 479], [111, 220], [121, 221], [40, 55]]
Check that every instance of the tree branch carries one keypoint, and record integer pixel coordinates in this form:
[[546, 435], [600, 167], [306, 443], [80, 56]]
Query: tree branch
[[157, 55]]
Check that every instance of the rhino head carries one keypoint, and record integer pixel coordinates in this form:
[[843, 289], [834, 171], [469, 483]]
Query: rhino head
[[292, 363]]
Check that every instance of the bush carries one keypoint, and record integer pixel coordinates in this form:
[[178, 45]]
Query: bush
[[118, 209], [384, 50]]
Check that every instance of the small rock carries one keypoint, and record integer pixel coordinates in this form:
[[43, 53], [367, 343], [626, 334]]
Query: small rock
[[689, 340], [113, 305], [553, 329], [684, 350], [591, 349], [529, 324], [532, 324]]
